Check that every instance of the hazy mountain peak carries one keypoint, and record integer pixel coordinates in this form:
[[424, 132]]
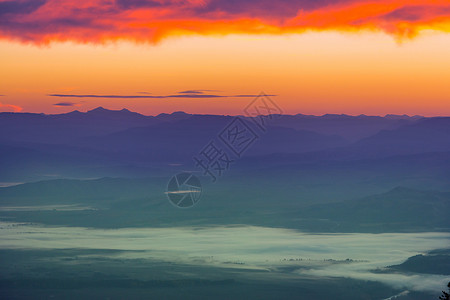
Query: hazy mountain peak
[[335, 115], [117, 113], [98, 109], [398, 117], [179, 113], [73, 113], [175, 113]]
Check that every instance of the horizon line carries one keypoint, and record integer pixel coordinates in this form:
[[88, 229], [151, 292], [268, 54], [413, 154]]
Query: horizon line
[[226, 115]]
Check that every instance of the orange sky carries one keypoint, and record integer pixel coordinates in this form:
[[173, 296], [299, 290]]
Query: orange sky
[[351, 57]]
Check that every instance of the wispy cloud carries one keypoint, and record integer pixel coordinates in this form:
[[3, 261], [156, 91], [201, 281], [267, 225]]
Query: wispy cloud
[[104, 96], [65, 104], [97, 21], [196, 91], [10, 107], [194, 94]]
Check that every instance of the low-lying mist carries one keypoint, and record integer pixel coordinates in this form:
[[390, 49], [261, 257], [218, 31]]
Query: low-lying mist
[[248, 247]]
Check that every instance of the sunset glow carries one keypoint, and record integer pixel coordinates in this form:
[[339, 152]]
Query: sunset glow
[[354, 57]]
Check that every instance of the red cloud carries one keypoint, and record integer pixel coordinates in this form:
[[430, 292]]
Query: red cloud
[[9, 107], [98, 21]]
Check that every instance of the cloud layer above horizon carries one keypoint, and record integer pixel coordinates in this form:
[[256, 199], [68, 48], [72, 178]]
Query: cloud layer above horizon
[[192, 94], [99, 21]]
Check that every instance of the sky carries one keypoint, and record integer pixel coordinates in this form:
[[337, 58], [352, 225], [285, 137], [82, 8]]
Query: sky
[[371, 57]]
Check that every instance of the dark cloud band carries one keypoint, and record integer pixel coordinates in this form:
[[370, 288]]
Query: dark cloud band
[[198, 95], [63, 104]]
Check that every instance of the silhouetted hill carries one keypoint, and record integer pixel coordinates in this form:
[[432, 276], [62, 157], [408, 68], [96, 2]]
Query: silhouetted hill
[[398, 209], [180, 140], [103, 191], [103, 142], [434, 262], [175, 116], [142, 202], [426, 135], [351, 128], [63, 128], [430, 135]]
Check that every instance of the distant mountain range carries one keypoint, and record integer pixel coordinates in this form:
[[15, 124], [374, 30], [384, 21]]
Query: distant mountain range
[[66, 127], [104, 142], [335, 173]]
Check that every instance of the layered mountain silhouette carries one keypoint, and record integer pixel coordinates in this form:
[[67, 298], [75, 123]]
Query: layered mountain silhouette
[[300, 150], [80, 143], [321, 173], [140, 202]]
